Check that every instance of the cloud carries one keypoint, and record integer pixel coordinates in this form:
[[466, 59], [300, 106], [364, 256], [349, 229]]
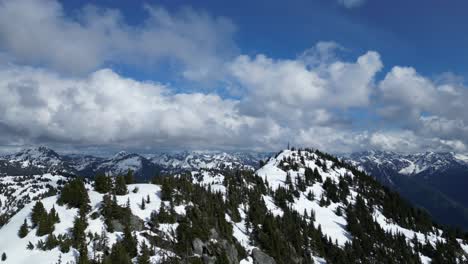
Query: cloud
[[105, 109], [296, 91], [37, 32], [58, 85], [432, 109], [351, 3]]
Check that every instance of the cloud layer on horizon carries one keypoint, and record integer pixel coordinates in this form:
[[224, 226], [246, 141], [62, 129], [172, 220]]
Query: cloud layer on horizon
[[68, 94]]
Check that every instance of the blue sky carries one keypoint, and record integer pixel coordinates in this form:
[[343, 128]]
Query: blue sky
[[429, 35], [340, 75]]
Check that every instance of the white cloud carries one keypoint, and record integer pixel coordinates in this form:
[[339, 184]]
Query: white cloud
[[40, 33], [105, 109], [306, 100], [293, 91]]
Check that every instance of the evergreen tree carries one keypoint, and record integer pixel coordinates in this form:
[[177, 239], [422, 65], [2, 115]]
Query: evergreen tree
[[142, 206], [38, 213], [144, 257], [166, 190], [119, 254], [24, 230], [83, 257], [129, 241], [120, 187], [129, 177], [75, 195], [4, 257], [78, 231], [102, 183]]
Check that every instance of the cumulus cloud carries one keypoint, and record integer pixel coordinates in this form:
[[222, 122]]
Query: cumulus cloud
[[293, 90], [57, 86], [40, 33], [431, 109], [105, 108]]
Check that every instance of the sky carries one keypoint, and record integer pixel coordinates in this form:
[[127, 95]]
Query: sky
[[147, 76]]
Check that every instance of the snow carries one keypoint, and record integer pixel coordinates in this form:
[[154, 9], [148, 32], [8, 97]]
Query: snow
[[209, 179], [331, 224], [15, 247]]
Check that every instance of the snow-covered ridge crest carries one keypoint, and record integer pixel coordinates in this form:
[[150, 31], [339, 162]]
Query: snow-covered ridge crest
[[409, 164]]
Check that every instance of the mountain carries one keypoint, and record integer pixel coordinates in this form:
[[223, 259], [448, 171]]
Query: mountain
[[33, 161], [434, 181], [43, 160], [195, 160], [301, 206]]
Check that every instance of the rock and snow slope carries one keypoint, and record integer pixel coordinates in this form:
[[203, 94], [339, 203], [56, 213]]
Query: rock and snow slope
[[324, 192], [434, 181]]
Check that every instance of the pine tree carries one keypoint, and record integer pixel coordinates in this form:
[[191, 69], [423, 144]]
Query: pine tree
[[142, 204], [4, 257], [75, 195], [120, 187], [30, 246], [102, 183], [129, 241], [53, 215], [166, 190], [119, 255], [144, 257], [83, 257], [129, 177], [78, 230], [148, 200], [24, 230], [38, 213]]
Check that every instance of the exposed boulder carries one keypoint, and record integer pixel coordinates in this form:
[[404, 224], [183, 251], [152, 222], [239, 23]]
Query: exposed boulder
[[261, 258]]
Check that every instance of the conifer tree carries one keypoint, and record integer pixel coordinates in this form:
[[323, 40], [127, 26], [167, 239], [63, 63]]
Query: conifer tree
[[75, 195], [120, 187], [78, 230], [129, 177], [102, 183], [24, 230], [119, 254], [142, 204], [83, 257], [144, 257], [4, 257], [38, 213], [129, 241]]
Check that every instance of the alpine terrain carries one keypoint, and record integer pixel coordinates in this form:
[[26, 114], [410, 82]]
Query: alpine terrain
[[435, 181], [300, 206]]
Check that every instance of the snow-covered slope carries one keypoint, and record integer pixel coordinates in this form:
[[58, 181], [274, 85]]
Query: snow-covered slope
[[434, 181], [42, 160], [195, 160], [408, 164], [317, 208], [18, 191]]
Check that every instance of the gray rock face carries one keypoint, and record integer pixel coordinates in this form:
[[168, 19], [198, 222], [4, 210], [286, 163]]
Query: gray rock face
[[209, 260], [197, 246], [231, 251], [136, 224], [261, 258]]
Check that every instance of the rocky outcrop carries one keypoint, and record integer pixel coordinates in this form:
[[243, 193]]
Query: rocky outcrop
[[260, 257]]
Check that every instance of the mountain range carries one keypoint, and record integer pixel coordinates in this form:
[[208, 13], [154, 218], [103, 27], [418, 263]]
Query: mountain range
[[300, 206], [45, 160], [434, 181]]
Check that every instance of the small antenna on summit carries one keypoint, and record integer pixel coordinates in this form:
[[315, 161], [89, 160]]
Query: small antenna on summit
[[288, 145]]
